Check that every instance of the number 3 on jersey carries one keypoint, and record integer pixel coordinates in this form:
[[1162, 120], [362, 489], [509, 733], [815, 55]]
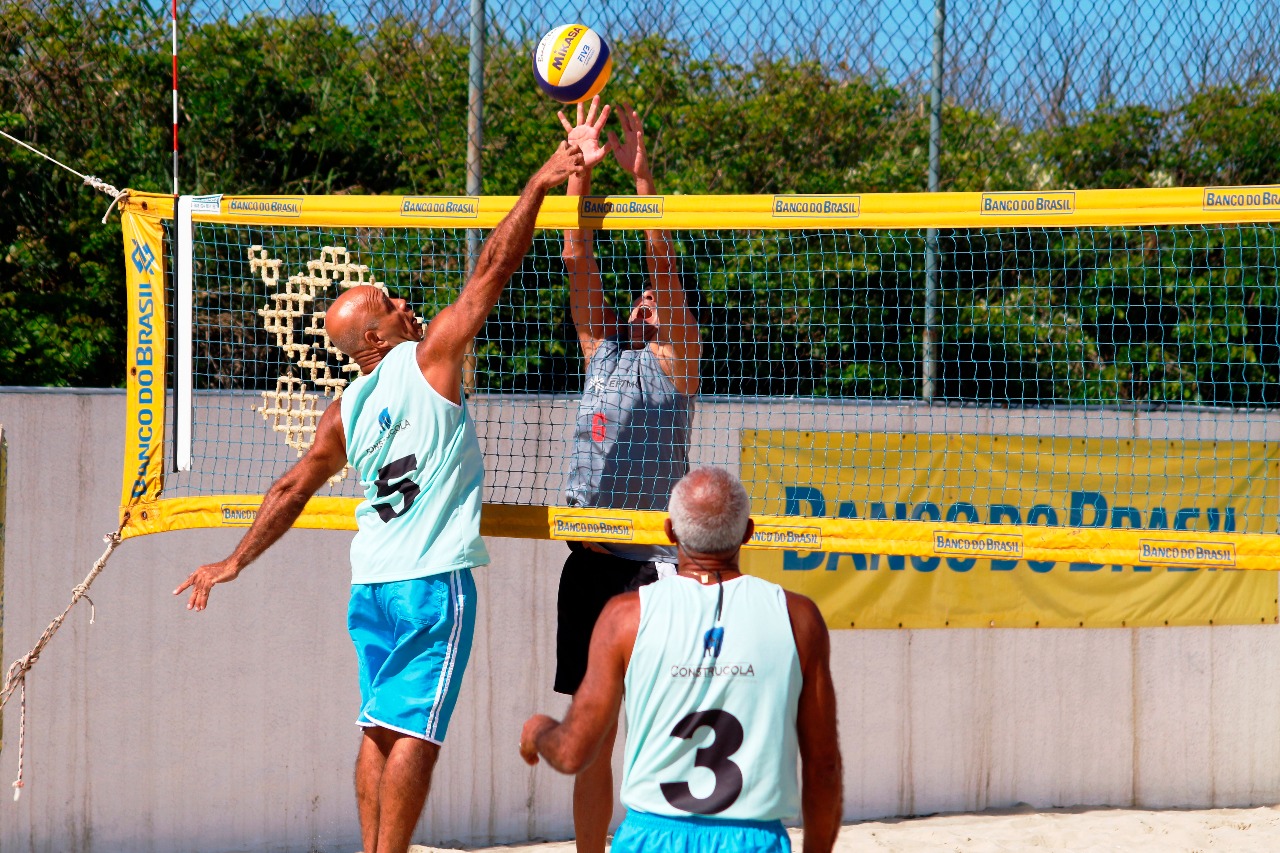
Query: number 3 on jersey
[[392, 471], [714, 757]]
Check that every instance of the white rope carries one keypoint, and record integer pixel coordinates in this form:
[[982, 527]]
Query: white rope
[[16, 678], [90, 180]]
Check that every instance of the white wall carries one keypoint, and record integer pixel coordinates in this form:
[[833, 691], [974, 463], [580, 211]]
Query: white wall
[[231, 730]]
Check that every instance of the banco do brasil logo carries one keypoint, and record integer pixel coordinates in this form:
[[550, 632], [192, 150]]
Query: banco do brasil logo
[[816, 205], [266, 206], [143, 258], [622, 206], [1241, 198], [1028, 203], [465, 207]]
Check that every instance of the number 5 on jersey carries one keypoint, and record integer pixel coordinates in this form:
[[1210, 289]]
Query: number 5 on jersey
[[394, 471]]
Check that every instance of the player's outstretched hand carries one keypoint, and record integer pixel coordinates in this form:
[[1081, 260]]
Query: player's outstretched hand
[[630, 153], [566, 161], [533, 729], [201, 581], [586, 133]]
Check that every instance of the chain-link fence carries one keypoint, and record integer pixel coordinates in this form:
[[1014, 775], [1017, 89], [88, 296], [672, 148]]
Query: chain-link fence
[[1027, 84], [1015, 74], [746, 96]]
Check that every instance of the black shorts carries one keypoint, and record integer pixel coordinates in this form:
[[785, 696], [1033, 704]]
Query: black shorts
[[587, 582]]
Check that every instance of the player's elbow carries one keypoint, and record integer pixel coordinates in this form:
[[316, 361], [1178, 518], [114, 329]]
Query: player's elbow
[[822, 787], [823, 772], [299, 483], [571, 755], [291, 487], [576, 756]]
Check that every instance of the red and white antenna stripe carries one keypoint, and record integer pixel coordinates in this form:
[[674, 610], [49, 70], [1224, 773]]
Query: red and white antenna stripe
[[175, 97]]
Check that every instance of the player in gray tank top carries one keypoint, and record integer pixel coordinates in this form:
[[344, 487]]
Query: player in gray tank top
[[631, 439], [631, 435]]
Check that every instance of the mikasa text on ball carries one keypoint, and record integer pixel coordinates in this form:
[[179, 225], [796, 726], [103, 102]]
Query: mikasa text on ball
[[572, 63]]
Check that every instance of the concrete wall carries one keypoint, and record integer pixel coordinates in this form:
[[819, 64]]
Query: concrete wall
[[156, 729]]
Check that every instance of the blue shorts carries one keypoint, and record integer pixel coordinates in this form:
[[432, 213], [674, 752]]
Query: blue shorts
[[413, 640], [641, 832]]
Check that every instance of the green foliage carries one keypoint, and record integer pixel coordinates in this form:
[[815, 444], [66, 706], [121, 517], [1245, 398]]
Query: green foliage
[[1111, 146], [310, 105], [1229, 135], [62, 308]]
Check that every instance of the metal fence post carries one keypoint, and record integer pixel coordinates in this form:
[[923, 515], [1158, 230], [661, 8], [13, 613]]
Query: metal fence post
[[475, 99], [930, 343], [475, 144]]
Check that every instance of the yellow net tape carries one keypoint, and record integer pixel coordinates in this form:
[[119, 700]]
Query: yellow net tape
[[1049, 208]]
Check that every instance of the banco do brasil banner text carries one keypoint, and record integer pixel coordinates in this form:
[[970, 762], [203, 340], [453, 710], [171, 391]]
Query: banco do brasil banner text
[[1087, 483]]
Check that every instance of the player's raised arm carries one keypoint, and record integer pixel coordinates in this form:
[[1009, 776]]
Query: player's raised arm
[[450, 333], [571, 745], [280, 508], [593, 319], [680, 344], [821, 795]]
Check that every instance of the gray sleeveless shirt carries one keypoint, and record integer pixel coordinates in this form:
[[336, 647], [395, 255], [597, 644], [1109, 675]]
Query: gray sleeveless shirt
[[631, 440]]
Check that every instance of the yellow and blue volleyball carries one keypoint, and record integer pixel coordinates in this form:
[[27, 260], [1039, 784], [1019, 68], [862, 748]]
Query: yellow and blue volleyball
[[572, 63]]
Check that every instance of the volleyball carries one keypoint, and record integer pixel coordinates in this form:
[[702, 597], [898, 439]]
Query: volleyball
[[572, 63]]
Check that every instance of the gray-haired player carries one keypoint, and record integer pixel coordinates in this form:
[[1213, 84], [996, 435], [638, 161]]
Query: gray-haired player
[[632, 433], [728, 686]]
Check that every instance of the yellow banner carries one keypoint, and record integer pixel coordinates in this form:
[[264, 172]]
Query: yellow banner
[[961, 490], [145, 358], [1048, 208]]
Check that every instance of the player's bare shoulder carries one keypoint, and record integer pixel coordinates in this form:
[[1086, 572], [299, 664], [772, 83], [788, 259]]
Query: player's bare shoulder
[[619, 623], [807, 626], [330, 445], [623, 611]]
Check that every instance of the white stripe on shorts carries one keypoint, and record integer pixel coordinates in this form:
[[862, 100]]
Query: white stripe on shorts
[[370, 723], [450, 656]]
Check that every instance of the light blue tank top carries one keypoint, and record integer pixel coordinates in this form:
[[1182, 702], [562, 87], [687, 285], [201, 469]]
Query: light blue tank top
[[420, 466], [713, 735], [631, 439]]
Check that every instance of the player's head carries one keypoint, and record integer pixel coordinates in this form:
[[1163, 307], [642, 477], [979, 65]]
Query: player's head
[[365, 319], [642, 323], [710, 512]]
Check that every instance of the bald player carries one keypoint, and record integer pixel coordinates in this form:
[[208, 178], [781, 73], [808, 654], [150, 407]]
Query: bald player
[[403, 425], [727, 680]]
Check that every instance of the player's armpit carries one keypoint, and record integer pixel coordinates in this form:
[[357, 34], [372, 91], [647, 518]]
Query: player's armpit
[[326, 456]]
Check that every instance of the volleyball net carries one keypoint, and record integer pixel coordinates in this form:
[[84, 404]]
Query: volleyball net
[[1044, 376]]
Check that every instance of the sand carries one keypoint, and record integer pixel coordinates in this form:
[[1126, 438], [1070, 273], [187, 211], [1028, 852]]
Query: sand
[[1080, 829]]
